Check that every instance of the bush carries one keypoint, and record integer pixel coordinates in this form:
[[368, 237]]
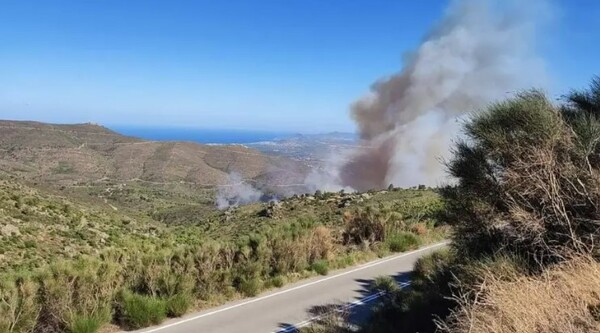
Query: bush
[[414, 309], [385, 284], [278, 281], [345, 261], [403, 241], [80, 289], [19, 306], [365, 226], [320, 266], [179, 304], [419, 228], [329, 319], [525, 216], [139, 311], [525, 184], [251, 287], [89, 323], [321, 243], [435, 262], [165, 273]]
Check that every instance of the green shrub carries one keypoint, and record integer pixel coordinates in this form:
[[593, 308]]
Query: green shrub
[[140, 311], [503, 266], [364, 226], [526, 180], [278, 281], [345, 261], [251, 287], [385, 284], [414, 309], [30, 244], [320, 266], [80, 287], [402, 241], [88, 323], [427, 265], [19, 307], [179, 304]]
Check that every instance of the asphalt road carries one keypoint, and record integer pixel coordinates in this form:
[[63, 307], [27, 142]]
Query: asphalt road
[[296, 305]]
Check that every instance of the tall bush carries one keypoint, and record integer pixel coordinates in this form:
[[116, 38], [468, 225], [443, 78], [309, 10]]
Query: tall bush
[[522, 183], [71, 290], [19, 306]]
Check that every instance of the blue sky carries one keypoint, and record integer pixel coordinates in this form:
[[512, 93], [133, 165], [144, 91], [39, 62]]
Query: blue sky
[[268, 65]]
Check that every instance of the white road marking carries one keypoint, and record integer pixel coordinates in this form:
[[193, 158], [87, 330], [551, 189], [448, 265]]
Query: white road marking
[[365, 266]]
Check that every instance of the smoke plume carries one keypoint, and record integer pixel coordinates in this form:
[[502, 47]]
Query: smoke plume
[[236, 192], [479, 52]]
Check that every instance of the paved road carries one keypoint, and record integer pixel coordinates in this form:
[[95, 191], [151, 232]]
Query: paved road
[[293, 306]]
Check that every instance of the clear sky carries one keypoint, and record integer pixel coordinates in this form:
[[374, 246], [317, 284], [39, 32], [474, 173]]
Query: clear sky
[[269, 64]]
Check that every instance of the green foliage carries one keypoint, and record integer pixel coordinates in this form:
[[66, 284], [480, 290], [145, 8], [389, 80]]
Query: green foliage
[[251, 287], [522, 181], [73, 290], [385, 284], [19, 309], [140, 311], [366, 226], [79, 252], [179, 304], [585, 101], [63, 167], [413, 309], [89, 323], [402, 241], [278, 281], [320, 266]]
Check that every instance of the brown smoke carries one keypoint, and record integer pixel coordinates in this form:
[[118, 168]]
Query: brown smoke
[[480, 51]]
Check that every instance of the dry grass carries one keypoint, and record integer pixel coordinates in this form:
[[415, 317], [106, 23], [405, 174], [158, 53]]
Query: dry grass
[[563, 299]]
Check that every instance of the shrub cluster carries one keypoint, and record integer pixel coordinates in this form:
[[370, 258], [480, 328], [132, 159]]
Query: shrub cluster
[[528, 180], [143, 285], [385, 226]]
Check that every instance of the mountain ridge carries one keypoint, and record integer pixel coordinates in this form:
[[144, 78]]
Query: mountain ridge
[[70, 154]]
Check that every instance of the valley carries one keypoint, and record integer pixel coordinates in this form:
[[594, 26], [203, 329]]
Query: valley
[[134, 223]]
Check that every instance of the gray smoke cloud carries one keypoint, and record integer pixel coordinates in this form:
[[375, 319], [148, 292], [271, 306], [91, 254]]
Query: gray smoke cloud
[[479, 52], [236, 192]]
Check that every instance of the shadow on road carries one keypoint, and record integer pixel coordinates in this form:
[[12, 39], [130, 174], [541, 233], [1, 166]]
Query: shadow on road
[[350, 314]]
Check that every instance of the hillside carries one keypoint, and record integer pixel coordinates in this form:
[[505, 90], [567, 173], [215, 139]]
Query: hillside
[[87, 153], [37, 227], [95, 226], [70, 259]]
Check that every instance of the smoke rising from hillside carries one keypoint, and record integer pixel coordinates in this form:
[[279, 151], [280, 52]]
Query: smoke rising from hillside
[[478, 53], [236, 192]]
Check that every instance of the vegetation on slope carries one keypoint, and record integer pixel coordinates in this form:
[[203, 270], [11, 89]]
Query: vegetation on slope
[[74, 263], [90, 155]]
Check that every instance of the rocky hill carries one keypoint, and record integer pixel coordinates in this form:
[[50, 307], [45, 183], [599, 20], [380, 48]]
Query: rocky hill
[[89, 153]]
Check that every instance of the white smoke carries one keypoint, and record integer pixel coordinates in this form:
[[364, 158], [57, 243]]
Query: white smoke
[[236, 192], [478, 53]]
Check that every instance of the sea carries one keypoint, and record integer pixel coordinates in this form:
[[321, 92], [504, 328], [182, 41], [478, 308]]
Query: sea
[[206, 136]]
